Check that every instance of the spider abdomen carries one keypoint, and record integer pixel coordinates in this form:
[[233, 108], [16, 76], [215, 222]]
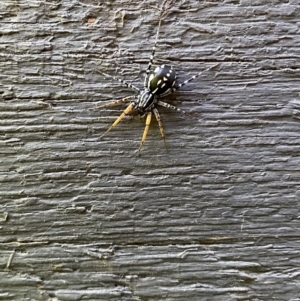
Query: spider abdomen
[[162, 80]]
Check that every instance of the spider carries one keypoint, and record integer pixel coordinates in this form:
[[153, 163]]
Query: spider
[[157, 84]]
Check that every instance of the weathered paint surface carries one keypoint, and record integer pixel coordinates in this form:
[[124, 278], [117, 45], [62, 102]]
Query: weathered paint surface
[[216, 218]]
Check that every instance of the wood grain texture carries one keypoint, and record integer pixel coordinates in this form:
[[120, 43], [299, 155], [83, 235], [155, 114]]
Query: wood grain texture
[[215, 218]]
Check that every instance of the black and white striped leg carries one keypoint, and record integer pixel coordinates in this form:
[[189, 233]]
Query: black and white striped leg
[[121, 81], [179, 86], [152, 54], [161, 128], [167, 105]]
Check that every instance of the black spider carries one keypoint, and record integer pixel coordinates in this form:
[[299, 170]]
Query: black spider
[[157, 84]]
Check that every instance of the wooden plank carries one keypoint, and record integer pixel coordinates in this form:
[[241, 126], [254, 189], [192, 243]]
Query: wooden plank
[[214, 218]]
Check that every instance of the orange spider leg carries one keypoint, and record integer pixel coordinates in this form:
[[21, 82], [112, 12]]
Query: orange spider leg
[[161, 128], [115, 102], [125, 112], [148, 121]]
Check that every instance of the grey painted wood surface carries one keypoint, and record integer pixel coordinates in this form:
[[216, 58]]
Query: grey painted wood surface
[[215, 218]]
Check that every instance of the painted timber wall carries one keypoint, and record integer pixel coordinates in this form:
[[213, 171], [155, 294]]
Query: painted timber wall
[[214, 218]]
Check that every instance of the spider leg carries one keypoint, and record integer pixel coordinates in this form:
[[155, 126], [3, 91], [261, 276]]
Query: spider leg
[[167, 105], [152, 54], [161, 128], [122, 81], [192, 78], [125, 112], [115, 102], [186, 81], [148, 121]]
